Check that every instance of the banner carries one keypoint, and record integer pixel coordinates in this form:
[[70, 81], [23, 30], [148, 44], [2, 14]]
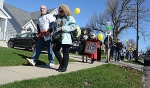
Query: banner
[[91, 47]]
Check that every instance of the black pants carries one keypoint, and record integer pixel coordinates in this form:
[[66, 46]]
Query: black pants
[[63, 61], [98, 54]]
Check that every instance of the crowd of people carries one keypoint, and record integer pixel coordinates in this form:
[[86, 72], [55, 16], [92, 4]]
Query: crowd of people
[[114, 49], [62, 24]]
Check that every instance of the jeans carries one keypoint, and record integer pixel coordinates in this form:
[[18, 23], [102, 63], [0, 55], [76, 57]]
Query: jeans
[[118, 54], [130, 56], [39, 47], [63, 61], [112, 53], [107, 53]]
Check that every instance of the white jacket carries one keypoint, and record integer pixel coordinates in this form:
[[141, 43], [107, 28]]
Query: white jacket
[[45, 20]]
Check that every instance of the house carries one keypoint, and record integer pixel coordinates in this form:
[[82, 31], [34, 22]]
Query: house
[[16, 21]]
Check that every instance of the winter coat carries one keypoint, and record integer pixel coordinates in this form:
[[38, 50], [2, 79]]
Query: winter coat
[[68, 25], [94, 56], [106, 42]]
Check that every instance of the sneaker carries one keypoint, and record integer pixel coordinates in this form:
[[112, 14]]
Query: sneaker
[[31, 61], [86, 60], [106, 61], [50, 64], [92, 61]]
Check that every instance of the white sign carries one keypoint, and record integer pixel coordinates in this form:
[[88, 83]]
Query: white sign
[[108, 33], [108, 23], [91, 47]]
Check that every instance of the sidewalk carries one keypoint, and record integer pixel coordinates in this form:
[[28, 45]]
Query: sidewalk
[[3, 44], [18, 73]]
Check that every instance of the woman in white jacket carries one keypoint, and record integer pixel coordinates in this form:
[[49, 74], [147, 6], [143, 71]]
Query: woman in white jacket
[[65, 24]]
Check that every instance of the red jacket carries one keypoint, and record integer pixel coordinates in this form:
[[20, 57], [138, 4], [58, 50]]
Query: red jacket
[[94, 56]]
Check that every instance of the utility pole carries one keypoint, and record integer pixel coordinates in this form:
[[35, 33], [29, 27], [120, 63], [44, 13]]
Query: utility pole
[[137, 36]]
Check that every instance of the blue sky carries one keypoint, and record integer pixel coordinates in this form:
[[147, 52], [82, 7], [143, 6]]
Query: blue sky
[[87, 7]]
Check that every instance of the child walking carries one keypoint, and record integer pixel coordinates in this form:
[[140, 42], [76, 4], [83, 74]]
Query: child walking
[[94, 56], [83, 39]]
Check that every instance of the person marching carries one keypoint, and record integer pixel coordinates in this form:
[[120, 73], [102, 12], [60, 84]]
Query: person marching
[[44, 37], [94, 56], [66, 24], [108, 43], [83, 39]]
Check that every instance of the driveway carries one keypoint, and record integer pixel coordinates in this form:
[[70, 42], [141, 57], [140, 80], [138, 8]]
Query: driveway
[[3, 44]]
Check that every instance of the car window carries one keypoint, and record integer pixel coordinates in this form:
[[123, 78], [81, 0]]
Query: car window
[[23, 35], [34, 34], [148, 53], [29, 35]]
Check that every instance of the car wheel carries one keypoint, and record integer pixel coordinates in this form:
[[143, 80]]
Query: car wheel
[[10, 44]]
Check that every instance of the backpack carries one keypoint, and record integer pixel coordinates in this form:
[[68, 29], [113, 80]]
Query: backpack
[[75, 34]]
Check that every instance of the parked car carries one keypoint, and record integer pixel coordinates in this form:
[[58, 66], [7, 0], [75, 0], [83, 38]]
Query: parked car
[[74, 49], [25, 40], [147, 58]]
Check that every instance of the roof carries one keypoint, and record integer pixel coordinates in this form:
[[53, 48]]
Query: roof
[[35, 15], [22, 16], [4, 14]]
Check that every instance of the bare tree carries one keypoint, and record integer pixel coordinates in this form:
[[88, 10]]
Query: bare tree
[[148, 47], [131, 43], [122, 14]]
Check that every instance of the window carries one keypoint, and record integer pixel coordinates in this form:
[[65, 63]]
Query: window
[[23, 35], [29, 35], [29, 29], [148, 53]]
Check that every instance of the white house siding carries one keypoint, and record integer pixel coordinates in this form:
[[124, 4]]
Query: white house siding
[[1, 29], [31, 25], [13, 27], [1, 3], [12, 30]]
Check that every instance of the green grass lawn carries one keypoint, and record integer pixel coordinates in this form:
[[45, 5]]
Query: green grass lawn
[[104, 76], [15, 57]]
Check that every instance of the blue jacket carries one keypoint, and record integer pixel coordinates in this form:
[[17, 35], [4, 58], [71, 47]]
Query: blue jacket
[[68, 24]]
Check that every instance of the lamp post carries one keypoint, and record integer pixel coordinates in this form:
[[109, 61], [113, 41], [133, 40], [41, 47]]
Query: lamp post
[[127, 42], [130, 45], [137, 36]]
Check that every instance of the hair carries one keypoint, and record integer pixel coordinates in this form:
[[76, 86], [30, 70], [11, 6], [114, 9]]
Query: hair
[[43, 6], [82, 31], [66, 9]]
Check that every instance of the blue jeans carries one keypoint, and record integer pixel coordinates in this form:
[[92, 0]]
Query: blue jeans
[[118, 54], [130, 56], [39, 47], [112, 53]]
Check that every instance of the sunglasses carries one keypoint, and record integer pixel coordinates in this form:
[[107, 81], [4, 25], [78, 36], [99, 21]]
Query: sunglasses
[[61, 11]]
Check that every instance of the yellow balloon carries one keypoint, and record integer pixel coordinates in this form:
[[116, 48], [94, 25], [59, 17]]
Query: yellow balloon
[[126, 40], [100, 37], [77, 10]]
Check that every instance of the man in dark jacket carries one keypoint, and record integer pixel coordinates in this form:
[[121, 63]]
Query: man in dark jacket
[[119, 47], [108, 44]]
